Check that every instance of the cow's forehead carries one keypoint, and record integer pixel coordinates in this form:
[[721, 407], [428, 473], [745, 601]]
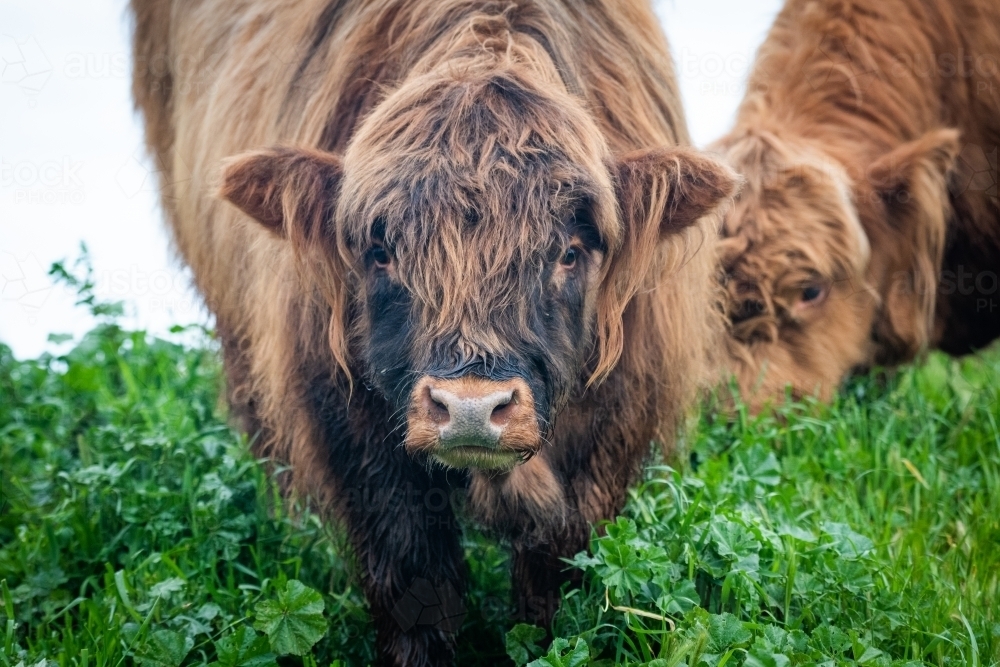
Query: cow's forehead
[[505, 200], [483, 145], [510, 204]]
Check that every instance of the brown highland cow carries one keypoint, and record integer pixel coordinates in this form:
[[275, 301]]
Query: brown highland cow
[[464, 259], [869, 228]]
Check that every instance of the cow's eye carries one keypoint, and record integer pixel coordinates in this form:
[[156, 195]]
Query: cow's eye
[[813, 293], [568, 260], [380, 256]]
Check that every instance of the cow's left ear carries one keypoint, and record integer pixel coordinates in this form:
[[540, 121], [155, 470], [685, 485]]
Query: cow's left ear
[[671, 187], [292, 192], [660, 192]]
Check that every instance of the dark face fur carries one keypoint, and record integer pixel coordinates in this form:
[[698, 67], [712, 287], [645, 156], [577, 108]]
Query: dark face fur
[[539, 329]]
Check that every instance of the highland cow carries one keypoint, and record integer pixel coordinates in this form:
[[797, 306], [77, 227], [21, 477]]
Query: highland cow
[[868, 137], [464, 261]]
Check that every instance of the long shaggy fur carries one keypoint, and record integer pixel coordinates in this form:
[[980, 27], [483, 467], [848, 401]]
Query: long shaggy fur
[[868, 138], [593, 79]]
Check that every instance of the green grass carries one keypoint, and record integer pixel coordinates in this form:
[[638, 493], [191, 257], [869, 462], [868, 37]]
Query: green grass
[[136, 530]]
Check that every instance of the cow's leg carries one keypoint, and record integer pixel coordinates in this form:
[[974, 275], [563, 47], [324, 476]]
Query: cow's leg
[[405, 537], [538, 575]]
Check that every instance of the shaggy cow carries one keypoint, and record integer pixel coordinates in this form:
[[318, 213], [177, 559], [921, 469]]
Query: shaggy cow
[[869, 228], [463, 256]]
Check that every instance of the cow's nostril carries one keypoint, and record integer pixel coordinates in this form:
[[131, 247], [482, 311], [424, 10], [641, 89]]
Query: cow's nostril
[[437, 406], [503, 412]]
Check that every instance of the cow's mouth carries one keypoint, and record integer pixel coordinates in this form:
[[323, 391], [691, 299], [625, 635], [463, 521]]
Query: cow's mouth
[[480, 458]]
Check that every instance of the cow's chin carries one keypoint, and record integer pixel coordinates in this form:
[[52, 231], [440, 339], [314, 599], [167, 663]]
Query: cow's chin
[[479, 458]]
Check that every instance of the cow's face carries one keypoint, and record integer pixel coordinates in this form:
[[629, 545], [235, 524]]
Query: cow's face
[[810, 296], [475, 240]]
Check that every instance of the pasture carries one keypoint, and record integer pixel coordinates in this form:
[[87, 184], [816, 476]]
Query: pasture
[[135, 529]]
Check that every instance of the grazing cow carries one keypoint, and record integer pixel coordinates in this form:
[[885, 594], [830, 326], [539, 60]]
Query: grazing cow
[[868, 138], [462, 258]]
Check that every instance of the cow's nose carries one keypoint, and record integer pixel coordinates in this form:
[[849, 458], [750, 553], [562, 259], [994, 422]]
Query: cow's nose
[[471, 418], [472, 413]]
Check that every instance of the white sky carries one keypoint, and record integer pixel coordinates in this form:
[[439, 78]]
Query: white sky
[[72, 166]]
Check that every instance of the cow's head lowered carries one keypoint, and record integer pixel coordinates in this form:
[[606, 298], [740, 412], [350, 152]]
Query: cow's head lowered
[[831, 264], [477, 244]]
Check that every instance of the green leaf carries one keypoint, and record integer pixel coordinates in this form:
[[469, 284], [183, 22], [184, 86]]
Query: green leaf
[[561, 655], [775, 637], [830, 640], [766, 659], [622, 530], [726, 631], [680, 598], [623, 570], [620, 564], [846, 542], [759, 465], [243, 648], [801, 534], [167, 587], [522, 643], [733, 541], [798, 641], [870, 654], [163, 648], [294, 622]]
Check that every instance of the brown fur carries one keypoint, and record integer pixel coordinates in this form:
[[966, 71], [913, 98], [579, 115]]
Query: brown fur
[[370, 94], [855, 113]]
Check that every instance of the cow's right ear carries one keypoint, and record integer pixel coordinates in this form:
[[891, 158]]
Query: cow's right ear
[[912, 183], [290, 191], [293, 193]]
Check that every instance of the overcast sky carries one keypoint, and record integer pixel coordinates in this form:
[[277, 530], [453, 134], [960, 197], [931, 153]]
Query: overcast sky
[[72, 166]]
